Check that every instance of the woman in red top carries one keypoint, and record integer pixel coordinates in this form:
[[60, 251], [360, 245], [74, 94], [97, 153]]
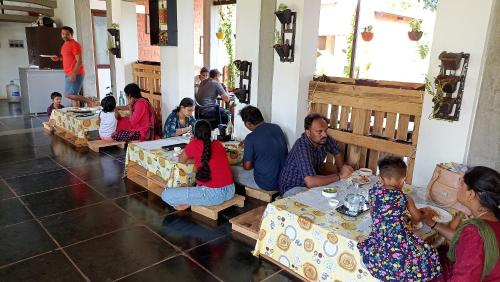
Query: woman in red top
[[141, 123], [214, 178], [474, 250]]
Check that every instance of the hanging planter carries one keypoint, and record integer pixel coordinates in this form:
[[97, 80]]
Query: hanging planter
[[416, 30], [220, 34], [367, 33], [285, 16]]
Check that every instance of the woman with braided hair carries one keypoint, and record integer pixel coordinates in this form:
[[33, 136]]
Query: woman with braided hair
[[473, 254], [214, 178]]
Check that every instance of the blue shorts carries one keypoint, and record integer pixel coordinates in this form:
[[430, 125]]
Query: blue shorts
[[73, 87], [197, 196]]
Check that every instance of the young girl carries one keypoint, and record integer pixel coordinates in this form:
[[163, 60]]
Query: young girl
[[213, 177], [108, 120], [391, 252]]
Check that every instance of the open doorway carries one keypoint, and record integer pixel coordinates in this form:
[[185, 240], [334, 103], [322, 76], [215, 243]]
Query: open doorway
[[101, 54]]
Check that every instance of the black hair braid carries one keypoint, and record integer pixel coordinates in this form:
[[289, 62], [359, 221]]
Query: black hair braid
[[202, 131], [486, 183]]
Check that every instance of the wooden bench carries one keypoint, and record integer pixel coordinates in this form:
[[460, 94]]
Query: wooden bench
[[212, 212], [156, 184], [248, 223], [70, 137], [97, 144], [137, 174], [259, 194]]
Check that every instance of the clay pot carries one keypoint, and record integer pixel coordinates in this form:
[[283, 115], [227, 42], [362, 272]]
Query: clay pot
[[220, 35], [415, 35], [448, 83], [450, 61], [367, 36]]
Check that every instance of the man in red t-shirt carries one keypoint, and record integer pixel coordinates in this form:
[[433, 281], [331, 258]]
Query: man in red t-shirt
[[71, 57]]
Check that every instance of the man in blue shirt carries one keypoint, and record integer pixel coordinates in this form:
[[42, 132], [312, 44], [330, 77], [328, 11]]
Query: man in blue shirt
[[304, 162], [265, 152]]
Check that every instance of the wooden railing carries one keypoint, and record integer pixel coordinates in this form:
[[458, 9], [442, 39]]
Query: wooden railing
[[370, 121], [148, 78]]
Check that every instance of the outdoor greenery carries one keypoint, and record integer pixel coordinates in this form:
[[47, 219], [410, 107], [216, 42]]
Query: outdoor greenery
[[225, 25], [430, 5], [436, 91], [423, 50], [350, 38], [416, 25]]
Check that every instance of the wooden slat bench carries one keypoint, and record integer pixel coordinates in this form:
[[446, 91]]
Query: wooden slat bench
[[212, 212], [97, 144], [248, 223], [137, 174], [259, 194]]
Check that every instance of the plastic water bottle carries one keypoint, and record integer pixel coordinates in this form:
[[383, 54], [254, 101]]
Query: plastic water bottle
[[121, 99], [13, 93]]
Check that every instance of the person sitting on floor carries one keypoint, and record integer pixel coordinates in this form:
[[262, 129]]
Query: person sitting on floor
[[181, 120], [213, 174], [107, 118], [206, 97], [302, 168], [140, 125], [264, 153], [56, 98]]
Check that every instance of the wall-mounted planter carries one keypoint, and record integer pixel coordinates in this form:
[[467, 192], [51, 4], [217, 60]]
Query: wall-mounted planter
[[367, 36], [285, 45], [448, 83], [450, 61], [115, 50], [220, 35], [415, 35], [244, 91]]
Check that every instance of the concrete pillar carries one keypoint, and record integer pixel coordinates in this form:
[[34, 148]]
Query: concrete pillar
[[443, 141], [291, 80], [123, 13], [254, 41], [86, 40], [177, 62]]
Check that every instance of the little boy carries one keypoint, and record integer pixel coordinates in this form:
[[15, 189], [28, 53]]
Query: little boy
[[56, 102]]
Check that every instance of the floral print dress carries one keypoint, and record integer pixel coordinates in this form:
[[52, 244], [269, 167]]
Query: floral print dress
[[391, 252]]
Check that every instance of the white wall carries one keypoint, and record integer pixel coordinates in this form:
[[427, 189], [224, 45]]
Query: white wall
[[64, 14], [291, 80], [98, 5], [461, 26], [128, 35], [177, 62], [11, 58]]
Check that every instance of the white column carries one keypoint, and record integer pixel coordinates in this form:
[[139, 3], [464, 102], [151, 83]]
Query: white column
[[461, 26], [254, 37], [177, 62], [291, 80]]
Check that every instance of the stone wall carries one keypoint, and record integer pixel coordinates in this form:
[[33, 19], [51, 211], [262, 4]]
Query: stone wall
[[146, 51], [484, 148]]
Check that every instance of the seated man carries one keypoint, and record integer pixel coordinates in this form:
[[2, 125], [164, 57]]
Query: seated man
[[265, 152], [207, 94], [303, 165]]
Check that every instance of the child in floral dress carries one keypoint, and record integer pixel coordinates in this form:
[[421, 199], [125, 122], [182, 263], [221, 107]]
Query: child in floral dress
[[391, 252]]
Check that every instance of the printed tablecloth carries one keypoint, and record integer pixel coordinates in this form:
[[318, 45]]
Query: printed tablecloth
[[76, 125], [165, 164], [318, 243]]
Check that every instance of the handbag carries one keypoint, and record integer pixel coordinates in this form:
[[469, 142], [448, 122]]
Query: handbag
[[443, 189]]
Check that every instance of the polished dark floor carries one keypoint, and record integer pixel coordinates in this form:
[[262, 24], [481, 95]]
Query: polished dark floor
[[69, 216]]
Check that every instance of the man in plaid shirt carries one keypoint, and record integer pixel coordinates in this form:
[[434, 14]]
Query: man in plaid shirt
[[304, 162]]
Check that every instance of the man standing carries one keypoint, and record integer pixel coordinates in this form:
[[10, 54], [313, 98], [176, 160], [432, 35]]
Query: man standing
[[71, 57], [265, 152], [304, 162], [206, 97]]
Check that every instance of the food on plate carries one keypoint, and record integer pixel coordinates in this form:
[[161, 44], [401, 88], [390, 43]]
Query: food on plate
[[330, 190], [432, 213]]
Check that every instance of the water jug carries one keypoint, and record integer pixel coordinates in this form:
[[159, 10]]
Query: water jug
[[13, 93]]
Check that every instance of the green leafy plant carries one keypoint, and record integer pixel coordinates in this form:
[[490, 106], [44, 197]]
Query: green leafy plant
[[430, 4], [423, 50], [368, 28], [226, 16], [436, 91], [350, 38], [416, 25]]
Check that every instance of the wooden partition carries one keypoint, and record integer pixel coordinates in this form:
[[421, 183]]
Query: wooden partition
[[148, 78], [370, 121]]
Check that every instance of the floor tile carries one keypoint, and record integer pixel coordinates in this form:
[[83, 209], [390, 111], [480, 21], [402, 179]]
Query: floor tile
[[12, 211], [146, 207], [105, 168], [21, 122], [85, 223], [42, 181], [23, 168], [179, 269], [184, 231], [39, 138], [118, 254], [232, 260], [114, 188], [114, 152], [17, 155], [283, 276], [68, 157], [16, 141], [5, 191], [22, 241], [49, 267], [250, 204], [60, 200]]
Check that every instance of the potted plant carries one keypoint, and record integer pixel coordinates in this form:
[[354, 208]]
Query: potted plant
[[443, 105], [367, 33], [282, 48], [416, 30], [450, 61], [220, 34], [284, 14]]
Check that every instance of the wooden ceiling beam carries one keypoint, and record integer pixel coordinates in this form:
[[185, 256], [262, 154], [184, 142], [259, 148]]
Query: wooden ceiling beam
[[45, 3], [17, 18], [45, 12]]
